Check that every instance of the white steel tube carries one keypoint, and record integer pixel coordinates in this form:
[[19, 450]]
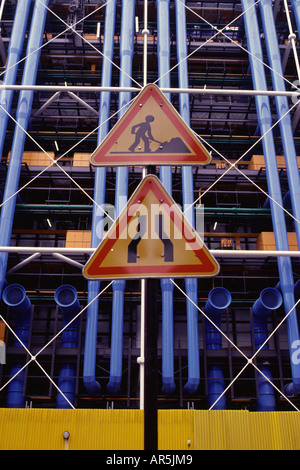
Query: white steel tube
[[203, 91], [218, 253]]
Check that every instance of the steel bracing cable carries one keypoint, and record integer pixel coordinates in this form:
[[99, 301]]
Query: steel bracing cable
[[231, 167], [33, 357]]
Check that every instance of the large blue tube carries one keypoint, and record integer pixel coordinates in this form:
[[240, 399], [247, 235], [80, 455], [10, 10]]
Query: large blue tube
[[13, 56], [89, 366], [22, 117], [66, 298], [15, 298], [269, 300], [167, 286], [126, 54], [278, 218], [219, 299], [296, 9], [191, 285], [282, 107]]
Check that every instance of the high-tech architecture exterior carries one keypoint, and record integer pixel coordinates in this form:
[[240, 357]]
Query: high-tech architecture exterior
[[70, 69]]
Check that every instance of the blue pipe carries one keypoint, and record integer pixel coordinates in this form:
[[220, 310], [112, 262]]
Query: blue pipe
[[15, 298], [66, 298], [167, 287], [282, 107], [269, 300], [286, 201], [296, 9], [15, 49], [126, 54], [89, 366], [22, 117], [219, 299], [278, 218], [191, 285]]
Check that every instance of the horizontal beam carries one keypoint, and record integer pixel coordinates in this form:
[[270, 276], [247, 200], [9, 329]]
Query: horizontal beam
[[99, 89], [216, 253]]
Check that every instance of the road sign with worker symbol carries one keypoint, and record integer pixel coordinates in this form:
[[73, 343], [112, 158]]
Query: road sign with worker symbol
[[151, 239], [151, 132]]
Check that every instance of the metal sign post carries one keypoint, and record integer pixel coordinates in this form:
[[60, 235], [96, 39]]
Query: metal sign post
[[150, 367]]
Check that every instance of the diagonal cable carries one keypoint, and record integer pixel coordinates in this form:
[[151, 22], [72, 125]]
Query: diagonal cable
[[54, 162], [221, 31], [33, 357], [249, 360], [89, 43], [233, 165]]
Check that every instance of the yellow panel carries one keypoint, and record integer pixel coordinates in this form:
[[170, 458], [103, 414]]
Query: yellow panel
[[175, 429], [257, 162], [36, 158], [41, 429], [78, 238], [221, 430], [243, 430], [81, 159], [266, 241]]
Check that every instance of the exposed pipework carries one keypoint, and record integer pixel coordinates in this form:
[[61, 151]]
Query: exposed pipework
[[167, 287], [296, 9], [278, 218], [14, 53], [89, 367], [15, 298], [269, 300], [121, 196], [191, 285], [66, 298], [285, 122], [22, 118], [219, 299]]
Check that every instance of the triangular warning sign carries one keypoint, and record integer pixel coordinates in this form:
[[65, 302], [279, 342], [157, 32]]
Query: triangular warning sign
[[151, 239], [151, 132]]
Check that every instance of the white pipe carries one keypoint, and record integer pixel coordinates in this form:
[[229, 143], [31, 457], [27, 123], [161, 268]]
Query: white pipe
[[218, 253], [292, 37], [86, 105], [203, 91], [68, 260], [141, 359], [24, 262], [145, 33]]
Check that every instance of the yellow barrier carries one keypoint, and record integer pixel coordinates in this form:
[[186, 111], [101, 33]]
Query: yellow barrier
[[188, 430]]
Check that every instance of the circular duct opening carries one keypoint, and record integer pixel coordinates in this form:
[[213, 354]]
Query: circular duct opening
[[271, 298], [14, 295], [219, 297], [65, 295]]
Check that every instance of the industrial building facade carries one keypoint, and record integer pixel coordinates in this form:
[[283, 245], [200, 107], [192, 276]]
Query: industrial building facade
[[69, 71]]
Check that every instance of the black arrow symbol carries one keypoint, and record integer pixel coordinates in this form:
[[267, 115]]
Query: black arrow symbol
[[132, 247], [168, 245]]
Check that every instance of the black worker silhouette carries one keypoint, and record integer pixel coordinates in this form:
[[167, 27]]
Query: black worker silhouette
[[142, 132]]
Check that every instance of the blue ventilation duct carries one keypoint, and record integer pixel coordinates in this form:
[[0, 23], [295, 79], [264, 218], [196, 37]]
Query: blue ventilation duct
[[282, 107], [269, 300], [126, 55], [191, 284], [66, 298], [22, 117], [15, 298], [278, 217], [167, 286], [296, 9], [219, 299], [89, 366], [15, 49]]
